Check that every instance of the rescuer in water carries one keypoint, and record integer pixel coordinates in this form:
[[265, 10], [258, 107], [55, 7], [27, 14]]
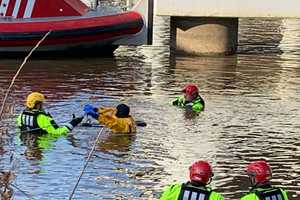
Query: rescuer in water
[[34, 119], [260, 173], [190, 99], [197, 188], [117, 119]]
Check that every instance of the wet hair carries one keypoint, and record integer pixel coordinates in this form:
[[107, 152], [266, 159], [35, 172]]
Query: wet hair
[[122, 111]]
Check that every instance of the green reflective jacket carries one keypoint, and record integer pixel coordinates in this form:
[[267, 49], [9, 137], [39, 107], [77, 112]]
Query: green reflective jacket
[[43, 122], [197, 104], [253, 193], [172, 193]]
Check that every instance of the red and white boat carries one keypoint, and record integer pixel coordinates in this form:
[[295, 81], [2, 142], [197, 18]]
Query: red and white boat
[[73, 25]]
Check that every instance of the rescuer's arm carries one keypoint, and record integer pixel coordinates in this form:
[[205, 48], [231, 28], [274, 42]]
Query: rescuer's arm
[[47, 124]]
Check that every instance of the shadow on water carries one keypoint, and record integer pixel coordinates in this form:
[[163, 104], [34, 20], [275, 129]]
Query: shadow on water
[[116, 143], [105, 51], [36, 144]]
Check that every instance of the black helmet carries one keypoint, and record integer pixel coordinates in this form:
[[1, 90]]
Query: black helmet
[[122, 111]]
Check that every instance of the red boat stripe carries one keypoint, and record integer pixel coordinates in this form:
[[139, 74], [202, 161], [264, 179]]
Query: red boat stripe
[[86, 22], [10, 8], [72, 33], [68, 40], [29, 8], [22, 9], [16, 8], [3, 7]]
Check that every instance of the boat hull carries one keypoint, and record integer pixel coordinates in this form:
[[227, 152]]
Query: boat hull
[[68, 33]]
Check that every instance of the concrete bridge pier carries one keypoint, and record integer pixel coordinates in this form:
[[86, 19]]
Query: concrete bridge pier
[[204, 35]]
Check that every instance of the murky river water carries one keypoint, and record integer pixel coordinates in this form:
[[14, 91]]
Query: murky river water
[[252, 111]]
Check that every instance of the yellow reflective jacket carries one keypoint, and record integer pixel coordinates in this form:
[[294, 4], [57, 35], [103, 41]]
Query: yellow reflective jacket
[[107, 117]]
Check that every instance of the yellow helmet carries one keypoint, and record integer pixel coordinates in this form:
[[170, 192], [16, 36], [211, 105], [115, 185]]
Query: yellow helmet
[[34, 97]]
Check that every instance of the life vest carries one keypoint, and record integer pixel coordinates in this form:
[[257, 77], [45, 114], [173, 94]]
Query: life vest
[[270, 194], [189, 192], [29, 122]]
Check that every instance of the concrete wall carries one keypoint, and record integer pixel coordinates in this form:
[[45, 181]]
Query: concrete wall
[[229, 8], [204, 35]]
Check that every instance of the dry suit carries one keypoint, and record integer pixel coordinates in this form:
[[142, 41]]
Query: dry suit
[[38, 121], [125, 125], [197, 105]]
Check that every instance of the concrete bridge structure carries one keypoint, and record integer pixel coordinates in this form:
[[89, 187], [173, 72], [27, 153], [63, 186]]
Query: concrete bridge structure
[[211, 26]]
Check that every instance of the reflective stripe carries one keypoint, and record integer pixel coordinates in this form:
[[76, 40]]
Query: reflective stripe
[[190, 195], [28, 120], [3, 7], [270, 195], [194, 196], [274, 197], [31, 120], [69, 126], [29, 8], [202, 197], [186, 195], [16, 8], [189, 104]]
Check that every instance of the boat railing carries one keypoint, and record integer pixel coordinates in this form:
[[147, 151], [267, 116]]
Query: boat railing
[[7, 18]]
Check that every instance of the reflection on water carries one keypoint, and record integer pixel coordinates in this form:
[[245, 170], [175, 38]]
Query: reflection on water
[[252, 111]]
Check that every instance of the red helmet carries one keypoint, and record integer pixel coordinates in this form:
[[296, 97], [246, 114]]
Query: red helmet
[[260, 170], [200, 171], [190, 89]]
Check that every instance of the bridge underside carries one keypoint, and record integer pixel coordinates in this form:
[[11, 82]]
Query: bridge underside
[[210, 27], [229, 8], [204, 36]]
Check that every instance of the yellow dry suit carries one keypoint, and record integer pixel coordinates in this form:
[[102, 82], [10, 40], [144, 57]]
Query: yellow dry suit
[[107, 117]]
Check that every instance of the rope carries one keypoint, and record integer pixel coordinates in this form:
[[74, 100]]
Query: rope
[[86, 163], [20, 68], [29, 196]]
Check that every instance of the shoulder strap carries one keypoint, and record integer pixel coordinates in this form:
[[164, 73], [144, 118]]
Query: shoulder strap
[[189, 192]]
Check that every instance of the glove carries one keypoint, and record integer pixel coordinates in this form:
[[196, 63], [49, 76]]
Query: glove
[[91, 111], [75, 121]]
